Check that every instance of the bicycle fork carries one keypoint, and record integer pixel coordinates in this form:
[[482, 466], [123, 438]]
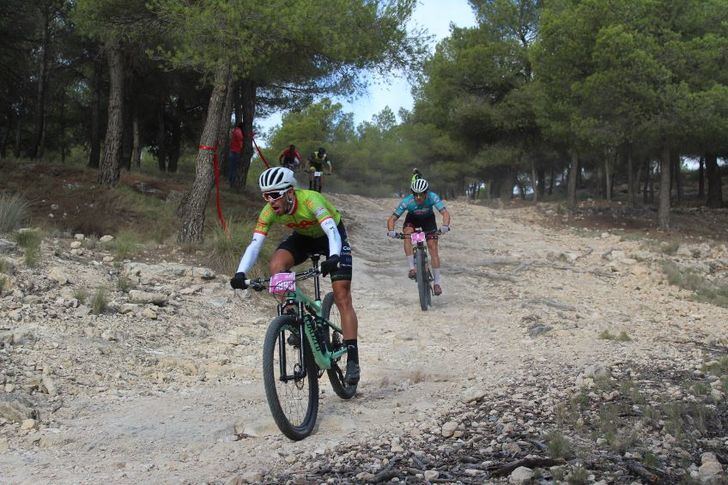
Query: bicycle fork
[[299, 370]]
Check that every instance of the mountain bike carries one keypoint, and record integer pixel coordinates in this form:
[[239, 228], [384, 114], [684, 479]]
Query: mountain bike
[[315, 181], [301, 343], [423, 277]]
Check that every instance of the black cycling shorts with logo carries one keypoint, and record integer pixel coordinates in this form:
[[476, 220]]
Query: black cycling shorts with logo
[[426, 222], [301, 247]]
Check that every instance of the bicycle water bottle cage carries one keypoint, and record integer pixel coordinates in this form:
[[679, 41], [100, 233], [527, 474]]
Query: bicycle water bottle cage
[[418, 237], [281, 283]]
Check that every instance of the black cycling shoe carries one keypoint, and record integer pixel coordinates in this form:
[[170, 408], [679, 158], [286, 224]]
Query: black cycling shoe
[[352, 373]]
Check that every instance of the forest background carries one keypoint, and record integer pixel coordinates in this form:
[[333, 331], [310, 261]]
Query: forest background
[[561, 100]]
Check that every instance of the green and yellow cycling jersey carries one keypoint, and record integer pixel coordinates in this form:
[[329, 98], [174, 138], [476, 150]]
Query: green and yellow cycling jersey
[[310, 209]]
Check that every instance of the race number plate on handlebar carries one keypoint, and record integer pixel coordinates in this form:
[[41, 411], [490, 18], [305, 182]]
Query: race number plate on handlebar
[[317, 174], [418, 237], [280, 283]]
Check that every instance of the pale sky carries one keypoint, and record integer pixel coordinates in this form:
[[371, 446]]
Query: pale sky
[[435, 16]]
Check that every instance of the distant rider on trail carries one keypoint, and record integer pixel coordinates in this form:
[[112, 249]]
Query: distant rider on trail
[[290, 158], [418, 206], [316, 164]]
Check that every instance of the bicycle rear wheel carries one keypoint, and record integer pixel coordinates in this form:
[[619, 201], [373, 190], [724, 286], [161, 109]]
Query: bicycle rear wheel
[[290, 377], [423, 280], [335, 341]]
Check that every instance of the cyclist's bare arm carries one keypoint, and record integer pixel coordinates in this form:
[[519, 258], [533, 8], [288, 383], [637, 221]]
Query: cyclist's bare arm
[[445, 217], [391, 222]]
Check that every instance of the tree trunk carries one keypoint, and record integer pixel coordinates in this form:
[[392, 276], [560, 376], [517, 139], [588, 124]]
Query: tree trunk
[[663, 209], [17, 137], [111, 161], [62, 125], [36, 150], [677, 167], [136, 146], [541, 176], [161, 135], [715, 191], [176, 140], [701, 178], [608, 177], [95, 152], [127, 137], [249, 95], [551, 181], [631, 182], [534, 182], [6, 134], [192, 210], [573, 173]]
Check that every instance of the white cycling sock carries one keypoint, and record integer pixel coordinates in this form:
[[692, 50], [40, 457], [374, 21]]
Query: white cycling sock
[[436, 275], [411, 261]]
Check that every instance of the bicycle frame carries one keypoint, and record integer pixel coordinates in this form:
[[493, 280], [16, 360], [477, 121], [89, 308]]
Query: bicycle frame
[[309, 317]]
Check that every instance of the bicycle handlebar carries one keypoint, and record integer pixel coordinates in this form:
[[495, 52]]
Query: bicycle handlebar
[[401, 235], [260, 284]]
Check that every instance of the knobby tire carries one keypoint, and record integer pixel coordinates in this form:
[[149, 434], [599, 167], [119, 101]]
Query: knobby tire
[[423, 281], [294, 405], [335, 340]]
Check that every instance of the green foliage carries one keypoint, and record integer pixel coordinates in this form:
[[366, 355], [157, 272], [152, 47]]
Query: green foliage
[[578, 476], [225, 249], [125, 284], [3, 283], [14, 212], [4, 266]]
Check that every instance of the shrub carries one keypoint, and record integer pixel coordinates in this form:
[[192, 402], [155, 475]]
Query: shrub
[[100, 302], [3, 283], [557, 444], [30, 241], [704, 290], [80, 294], [125, 244], [14, 212]]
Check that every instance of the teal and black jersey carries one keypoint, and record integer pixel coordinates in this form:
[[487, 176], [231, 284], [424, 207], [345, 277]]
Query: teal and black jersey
[[410, 205]]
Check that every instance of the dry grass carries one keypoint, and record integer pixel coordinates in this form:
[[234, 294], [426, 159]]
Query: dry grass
[[99, 302], [14, 212], [703, 289], [621, 337], [30, 241]]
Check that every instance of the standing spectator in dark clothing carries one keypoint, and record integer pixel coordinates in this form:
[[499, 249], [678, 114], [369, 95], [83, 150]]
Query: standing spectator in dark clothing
[[236, 147]]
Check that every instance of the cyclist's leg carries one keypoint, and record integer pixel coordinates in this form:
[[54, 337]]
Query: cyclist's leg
[[341, 285]]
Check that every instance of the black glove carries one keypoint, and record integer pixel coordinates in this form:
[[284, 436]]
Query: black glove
[[330, 265], [238, 281]]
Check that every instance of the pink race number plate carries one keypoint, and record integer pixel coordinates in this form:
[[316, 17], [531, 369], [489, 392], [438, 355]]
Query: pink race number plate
[[418, 237], [280, 283]]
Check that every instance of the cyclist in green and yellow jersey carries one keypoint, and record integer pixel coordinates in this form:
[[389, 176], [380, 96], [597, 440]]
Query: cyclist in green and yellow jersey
[[317, 228]]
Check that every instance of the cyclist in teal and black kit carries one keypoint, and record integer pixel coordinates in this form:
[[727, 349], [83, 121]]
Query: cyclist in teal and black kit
[[418, 206]]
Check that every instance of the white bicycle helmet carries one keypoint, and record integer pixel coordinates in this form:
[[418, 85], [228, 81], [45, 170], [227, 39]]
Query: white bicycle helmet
[[419, 185], [276, 178]]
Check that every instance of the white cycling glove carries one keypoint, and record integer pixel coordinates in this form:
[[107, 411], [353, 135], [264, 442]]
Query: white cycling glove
[[392, 234], [444, 229]]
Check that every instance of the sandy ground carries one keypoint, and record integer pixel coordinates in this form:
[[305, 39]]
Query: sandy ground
[[502, 275]]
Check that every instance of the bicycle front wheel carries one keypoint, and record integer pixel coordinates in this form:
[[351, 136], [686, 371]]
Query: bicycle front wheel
[[423, 281], [290, 377], [335, 341]]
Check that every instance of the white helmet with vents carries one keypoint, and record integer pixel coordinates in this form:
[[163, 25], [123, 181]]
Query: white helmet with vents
[[276, 178], [419, 186]]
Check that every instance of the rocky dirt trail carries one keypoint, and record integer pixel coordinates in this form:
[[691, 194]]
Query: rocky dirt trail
[[165, 385]]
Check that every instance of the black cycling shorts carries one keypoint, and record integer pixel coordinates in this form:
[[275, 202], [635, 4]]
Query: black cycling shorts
[[301, 247], [427, 222]]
